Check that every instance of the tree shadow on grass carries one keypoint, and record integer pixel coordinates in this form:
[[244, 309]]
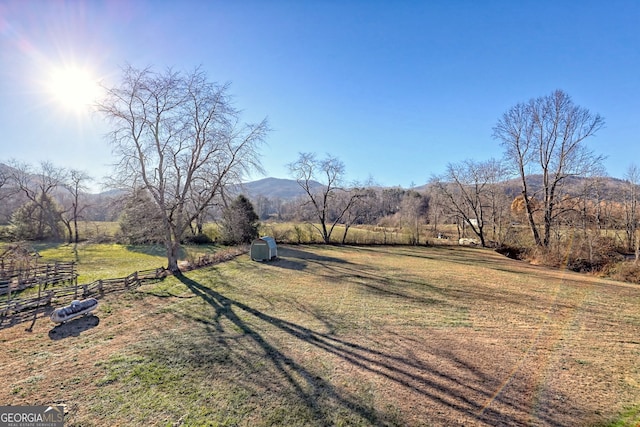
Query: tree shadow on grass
[[305, 384], [153, 250], [467, 400], [298, 259]]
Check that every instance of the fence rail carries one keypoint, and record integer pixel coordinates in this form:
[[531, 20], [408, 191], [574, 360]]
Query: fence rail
[[17, 308], [58, 267], [14, 280], [78, 291]]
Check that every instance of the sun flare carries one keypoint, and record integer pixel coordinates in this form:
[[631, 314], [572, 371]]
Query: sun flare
[[73, 88]]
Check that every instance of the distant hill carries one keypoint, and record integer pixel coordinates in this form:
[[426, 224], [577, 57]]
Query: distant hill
[[288, 189], [610, 188], [274, 188]]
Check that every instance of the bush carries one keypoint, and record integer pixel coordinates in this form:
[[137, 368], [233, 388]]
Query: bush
[[198, 239], [583, 254], [299, 233], [626, 271], [239, 222], [593, 254], [278, 233], [141, 221], [38, 220], [513, 252]]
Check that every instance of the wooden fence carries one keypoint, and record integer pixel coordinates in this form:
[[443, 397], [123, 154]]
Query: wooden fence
[[14, 280], [62, 295], [23, 308]]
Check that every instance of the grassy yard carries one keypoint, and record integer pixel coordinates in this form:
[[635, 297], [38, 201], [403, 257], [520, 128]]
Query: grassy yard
[[104, 261], [111, 260], [343, 336]]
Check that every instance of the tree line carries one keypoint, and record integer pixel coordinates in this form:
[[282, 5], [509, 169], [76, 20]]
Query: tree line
[[183, 151]]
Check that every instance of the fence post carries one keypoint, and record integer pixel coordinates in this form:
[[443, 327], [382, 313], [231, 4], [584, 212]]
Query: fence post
[[100, 287]]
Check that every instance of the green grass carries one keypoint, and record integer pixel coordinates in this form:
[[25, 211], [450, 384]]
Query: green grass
[[630, 417], [97, 230], [110, 260], [104, 261]]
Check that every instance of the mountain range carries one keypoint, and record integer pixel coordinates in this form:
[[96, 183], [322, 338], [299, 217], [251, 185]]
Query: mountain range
[[287, 189]]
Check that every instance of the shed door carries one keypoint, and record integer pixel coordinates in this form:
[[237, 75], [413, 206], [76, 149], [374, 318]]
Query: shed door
[[260, 250]]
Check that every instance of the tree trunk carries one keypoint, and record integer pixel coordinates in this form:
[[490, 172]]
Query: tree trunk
[[325, 234], [637, 252], [532, 223], [483, 242], [172, 245], [547, 229], [173, 251], [75, 226], [346, 230], [70, 231]]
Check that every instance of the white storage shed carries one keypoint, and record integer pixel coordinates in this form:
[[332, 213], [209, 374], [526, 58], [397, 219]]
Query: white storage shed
[[264, 249]]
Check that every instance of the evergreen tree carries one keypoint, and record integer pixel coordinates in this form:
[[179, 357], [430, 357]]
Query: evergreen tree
[[141, 222], [38, 219], [239, 222]]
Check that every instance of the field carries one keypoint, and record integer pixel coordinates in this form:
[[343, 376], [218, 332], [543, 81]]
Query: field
[[366, 336]]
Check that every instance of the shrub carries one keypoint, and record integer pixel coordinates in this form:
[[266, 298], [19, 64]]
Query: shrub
[[513, 252], [626, 271], [198, 239], [239, 222], [140, 221]]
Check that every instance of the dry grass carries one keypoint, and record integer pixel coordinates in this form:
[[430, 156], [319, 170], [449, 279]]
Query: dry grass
[[306, 233], [344, 336]]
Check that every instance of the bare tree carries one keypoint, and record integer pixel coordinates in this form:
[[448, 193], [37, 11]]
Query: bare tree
[[631, 196], [76, 185], [498, 200], [7, 192], [470, 188], [175, 133], [360, 198], [199, 208], [38, 187], [413, 211], [547, 136], [586, 202], [597, 188], [329, 174], [4, 181], [436, 212]]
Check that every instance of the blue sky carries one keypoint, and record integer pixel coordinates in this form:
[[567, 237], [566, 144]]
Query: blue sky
[[395, 89]]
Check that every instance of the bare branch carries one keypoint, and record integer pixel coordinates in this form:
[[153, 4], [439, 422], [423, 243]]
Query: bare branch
[[178, 136]]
